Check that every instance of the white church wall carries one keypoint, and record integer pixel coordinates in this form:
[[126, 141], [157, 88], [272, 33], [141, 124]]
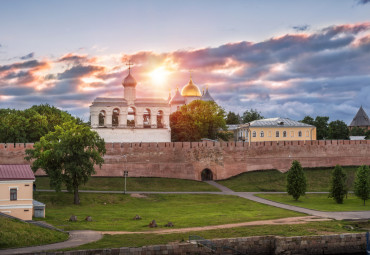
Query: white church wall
[[135, 135]]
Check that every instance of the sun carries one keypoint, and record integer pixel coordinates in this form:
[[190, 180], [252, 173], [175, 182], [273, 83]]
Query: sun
[[159, 75]]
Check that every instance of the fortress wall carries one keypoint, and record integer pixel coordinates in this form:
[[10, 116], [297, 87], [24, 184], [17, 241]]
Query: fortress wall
[[187, 160]]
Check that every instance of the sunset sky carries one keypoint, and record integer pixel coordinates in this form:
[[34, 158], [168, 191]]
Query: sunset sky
[[283, 58]]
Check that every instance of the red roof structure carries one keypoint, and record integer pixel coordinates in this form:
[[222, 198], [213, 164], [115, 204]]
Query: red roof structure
[[16, 172]]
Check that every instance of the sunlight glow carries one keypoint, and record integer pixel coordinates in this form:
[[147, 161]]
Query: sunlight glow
[[159, 76], [91, 80]]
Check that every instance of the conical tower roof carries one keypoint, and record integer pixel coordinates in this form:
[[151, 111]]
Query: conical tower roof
[[206, 96], [361, 119], [177, 98]]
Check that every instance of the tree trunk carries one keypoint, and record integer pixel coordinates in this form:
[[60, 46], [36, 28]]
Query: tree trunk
[[76, 196]]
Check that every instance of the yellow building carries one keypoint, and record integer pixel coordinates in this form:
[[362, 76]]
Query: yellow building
[[274, 129], [16, 191]]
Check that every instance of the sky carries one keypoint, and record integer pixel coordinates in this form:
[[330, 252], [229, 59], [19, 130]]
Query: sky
[[283, 58]]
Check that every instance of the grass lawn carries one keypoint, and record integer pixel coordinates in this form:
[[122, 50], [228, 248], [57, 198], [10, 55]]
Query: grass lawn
[[15, 234], [116, 211], [318, 179], [135, 184], [138, 240], [320, 202]]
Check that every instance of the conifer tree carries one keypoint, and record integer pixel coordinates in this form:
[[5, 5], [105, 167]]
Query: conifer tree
[[362, 183], [296, 180], [338, 188]]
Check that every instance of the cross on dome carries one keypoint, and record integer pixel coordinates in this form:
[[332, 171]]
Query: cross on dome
[[129, 64]]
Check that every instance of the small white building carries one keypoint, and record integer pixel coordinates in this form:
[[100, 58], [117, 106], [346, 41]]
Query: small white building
[[131, 119]]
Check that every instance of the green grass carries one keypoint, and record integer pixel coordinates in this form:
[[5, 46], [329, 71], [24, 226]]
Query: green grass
[[318, 179], [15, 234], [116, 211], [320, 202], [138, 240], [135, 184]]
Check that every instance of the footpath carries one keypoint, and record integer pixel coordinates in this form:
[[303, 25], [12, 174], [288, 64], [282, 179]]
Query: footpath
[[80, 237]]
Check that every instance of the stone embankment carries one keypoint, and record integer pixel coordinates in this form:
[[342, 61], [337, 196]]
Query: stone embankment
[[263, 245]]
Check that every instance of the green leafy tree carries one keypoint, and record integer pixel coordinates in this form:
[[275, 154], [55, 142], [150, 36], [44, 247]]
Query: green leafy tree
[[362, 183], [13, 126], [296, 180], [321, 124], [29, 125], [308, 120], [68, 155], [251, 115], [357, 131], [232, 118], [338, 188], [199, 119], [338, 130]]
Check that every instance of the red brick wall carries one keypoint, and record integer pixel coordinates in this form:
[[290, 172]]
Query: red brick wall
[[225, 159]]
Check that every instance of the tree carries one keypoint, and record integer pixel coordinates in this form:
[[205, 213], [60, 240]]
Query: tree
[[357, 131], [68, 156], [321, 124], [251, 115], [28, 126], [362, 183], [296, 180], [199, 119], [308, 120], [338, 130], [338, 187], [232, 118]]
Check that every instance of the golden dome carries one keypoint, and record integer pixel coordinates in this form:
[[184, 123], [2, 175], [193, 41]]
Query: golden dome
[[190, 90]]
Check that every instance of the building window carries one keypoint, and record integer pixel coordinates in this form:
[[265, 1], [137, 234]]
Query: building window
[[254, 134], [262, 134], [131, 117], [147, 119], [277, 133], [160, 119], [284, 133], [300, 133], [291, 133], [307, 133], [102, 118], [115, 117], [13, 194]]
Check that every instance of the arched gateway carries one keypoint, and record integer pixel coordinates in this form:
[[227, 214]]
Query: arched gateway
[[207, 175]]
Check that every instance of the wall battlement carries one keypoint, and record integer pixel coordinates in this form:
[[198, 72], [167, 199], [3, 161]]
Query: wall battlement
[[187, 160]]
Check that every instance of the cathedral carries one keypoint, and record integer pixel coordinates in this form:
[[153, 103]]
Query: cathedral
[[132, 120]]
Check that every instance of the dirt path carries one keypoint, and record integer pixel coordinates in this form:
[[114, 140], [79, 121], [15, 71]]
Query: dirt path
[[284, 221]]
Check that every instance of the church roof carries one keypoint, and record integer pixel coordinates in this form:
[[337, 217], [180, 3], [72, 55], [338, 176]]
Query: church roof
[[190, 90], [151, 101], [361, 119], [206, 96], [278, 122], [109, 101], [177, 98], [129, 81]]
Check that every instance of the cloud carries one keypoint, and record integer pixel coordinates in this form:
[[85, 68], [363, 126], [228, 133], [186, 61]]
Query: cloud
[[363, 1], [79, 71], [21, 65], [322, 72], [28, 56], [301, 28]]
